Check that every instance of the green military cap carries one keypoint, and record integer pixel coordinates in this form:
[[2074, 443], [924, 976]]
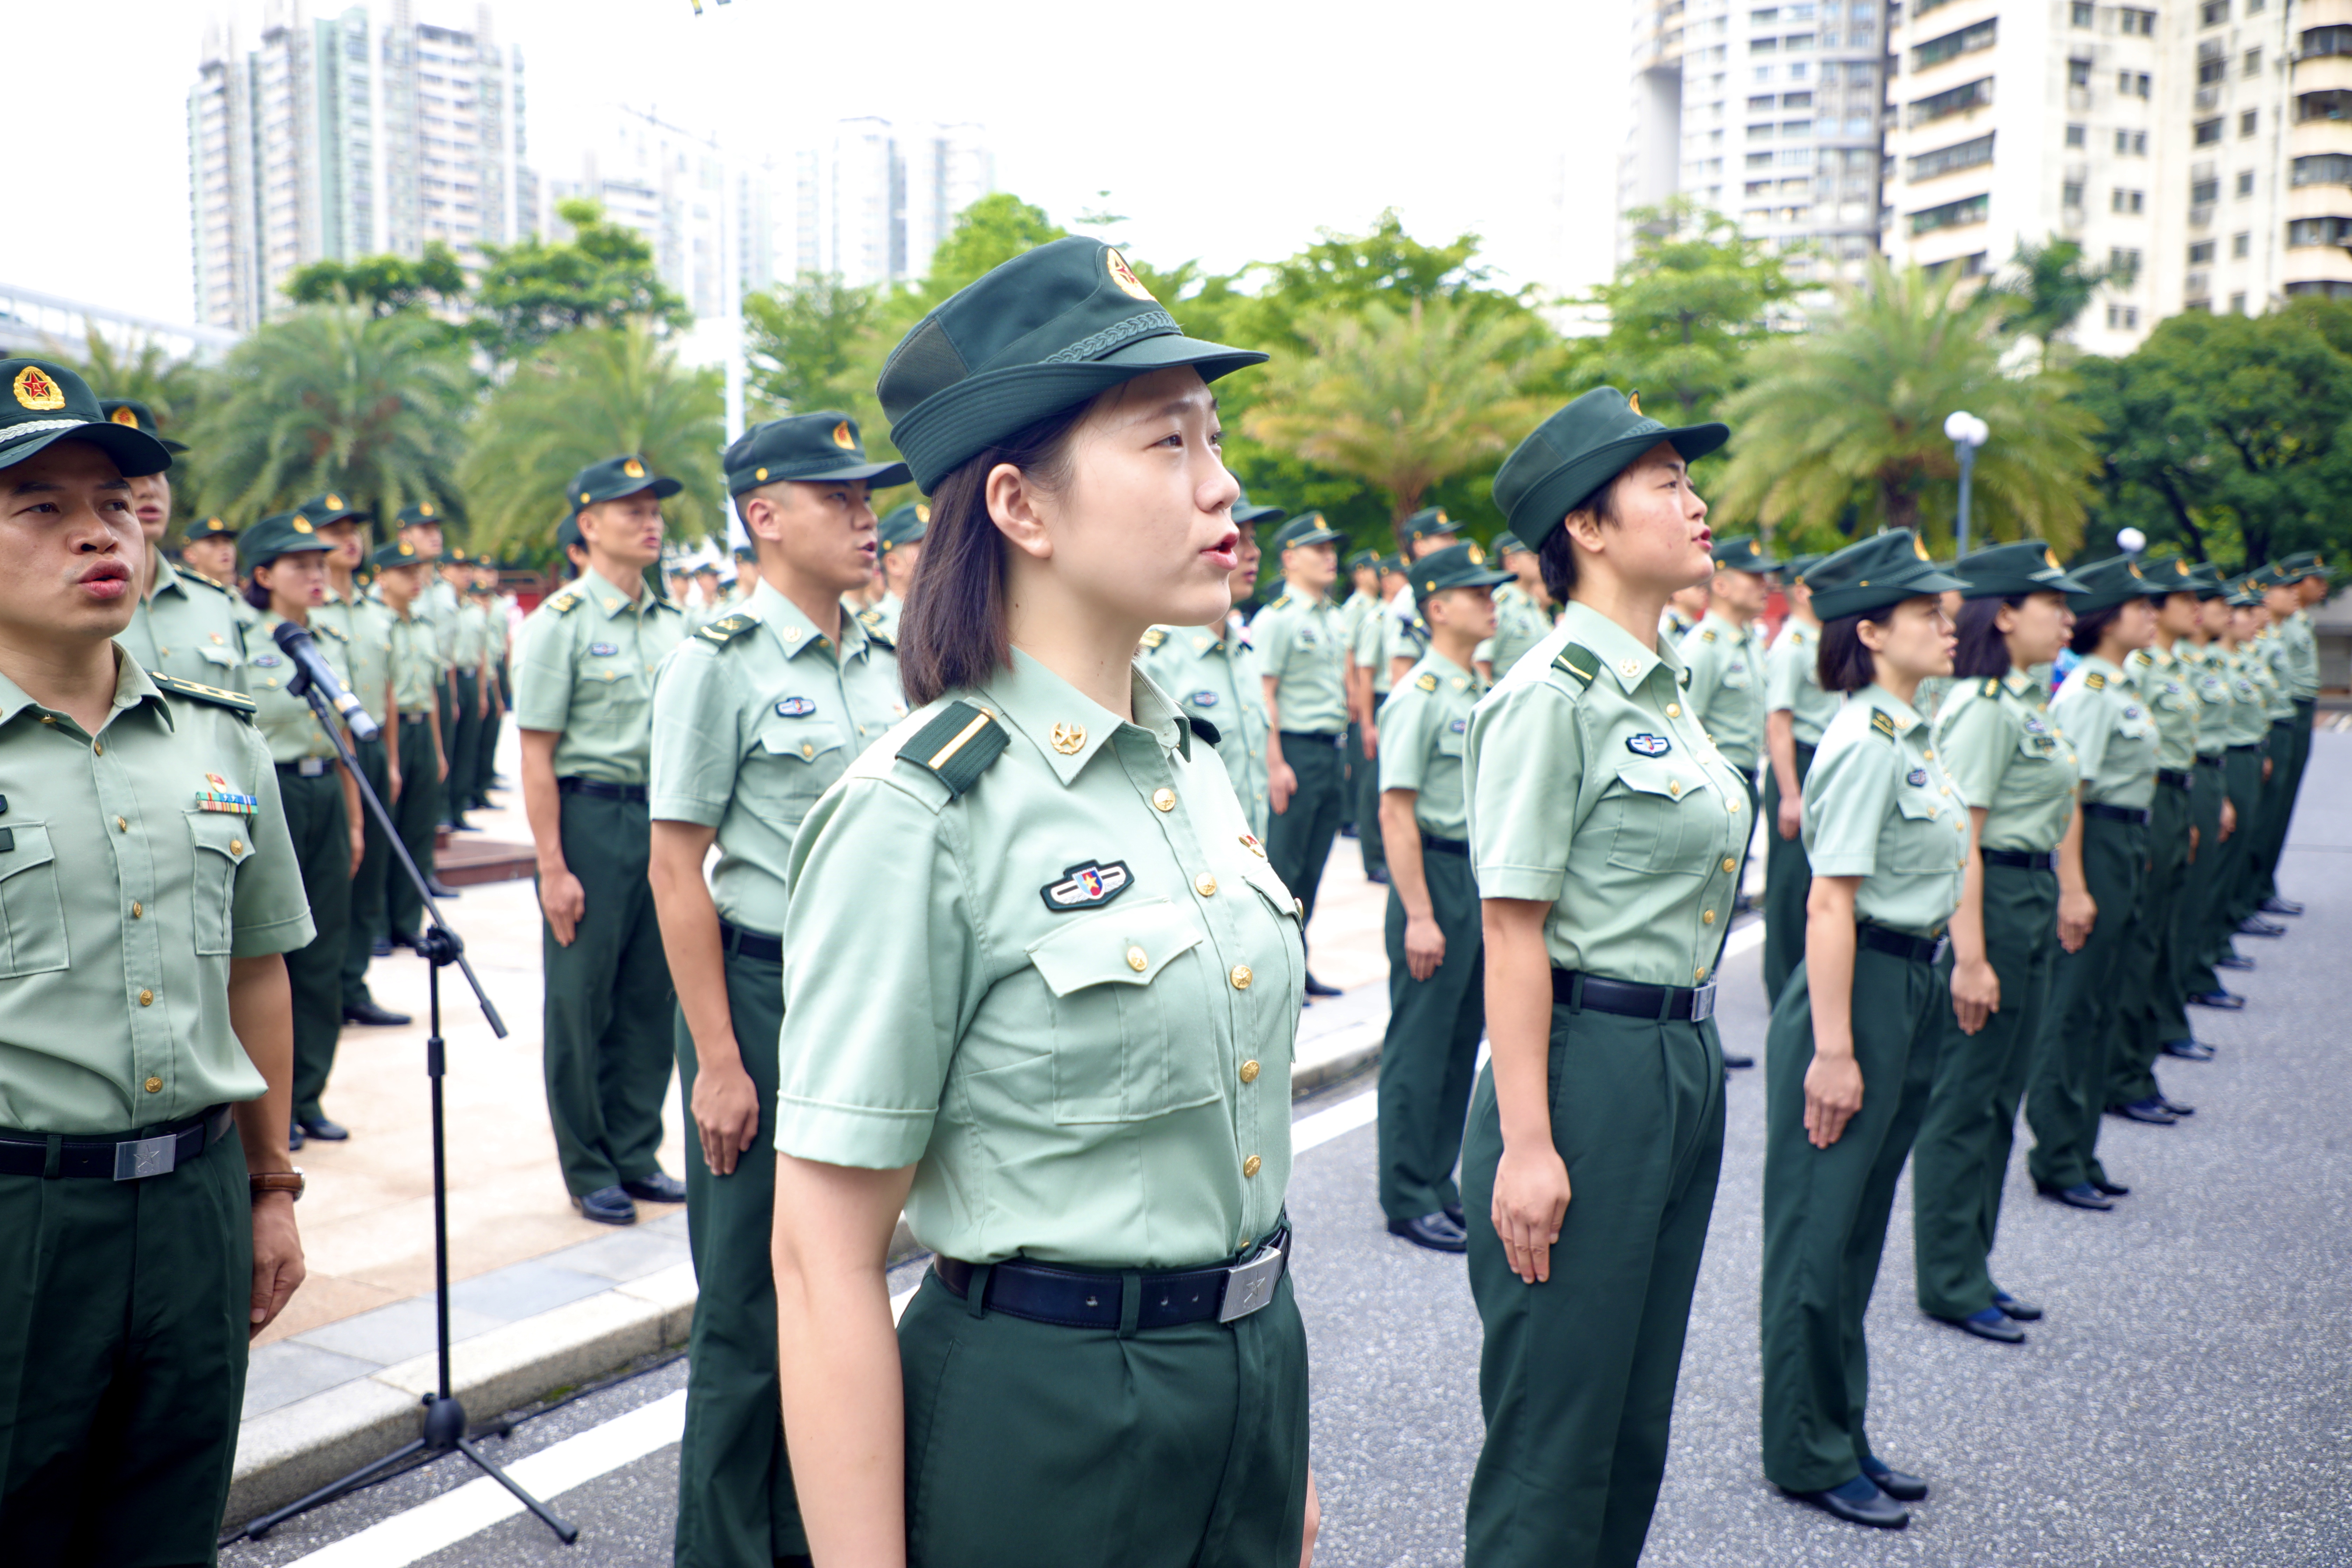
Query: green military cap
[[131, 412], [2304, 563], [1038, 334], [2167, 572], [615, 477], [1795, 567], [279, 533], [905, 525], [2206, 582], [745, 553], [2013, 570], [46, 402], [2109, 582], [1392, 564], [423, 514], [1456, 566], [2271, 575], [209, 528], [1744, 554], [330, 506], [1580, 448], [1246, 511], [452, 556], [1306, 528], [568, 535], [399, 552], [1506, 541], [1428, 522], [1874, 573], [2244, 592], [805, 446], [1363, 558]]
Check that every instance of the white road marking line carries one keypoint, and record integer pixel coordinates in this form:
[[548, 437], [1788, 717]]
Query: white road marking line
[[473, 1508], [1320, 1127], [1747, 938]]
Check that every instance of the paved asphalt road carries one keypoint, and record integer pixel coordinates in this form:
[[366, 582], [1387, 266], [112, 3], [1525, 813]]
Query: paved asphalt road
[[2188, 1401]]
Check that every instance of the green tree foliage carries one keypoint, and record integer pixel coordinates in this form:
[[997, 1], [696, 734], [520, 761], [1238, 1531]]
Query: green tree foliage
[[987, 234], [2053, 288], [805, 344], [1686, 308], [1842, 428], [332, 397], [589, 395], [174, 390], [600, 278], [384, 284]]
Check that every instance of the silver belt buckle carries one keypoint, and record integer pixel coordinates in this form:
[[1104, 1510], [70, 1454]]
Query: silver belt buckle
[[1702, 1002], [1943, 946], [310, 767], [144, 1157], [1250, 1286]]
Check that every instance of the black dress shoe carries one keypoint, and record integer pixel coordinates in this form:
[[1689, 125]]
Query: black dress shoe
[[2106, 1188], [2083, 1195], [2188, 1050], [1461, 1222], [661, 1187], [1346, 830], [1734, 1060], [2254, 925], [369, 1014], [2227, 1001], [1316, 988], [1433, 1231], [1987, 1323], [2277, 906], [2173, 1105], [294, 1138], [1377, 879], [380, 948], [2149, 1110], [1894, 1482], [2237, 963], [318, 1130], [607, 1206], [435, 886], [2023, 1311], [1848, 1502]]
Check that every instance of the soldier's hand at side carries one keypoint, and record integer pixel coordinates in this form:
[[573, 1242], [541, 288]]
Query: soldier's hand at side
[[1976, 993], [565, 901], [1425, 946], [2077, 914], [1281, 784], [2229, 816], [277, 1260], [1791, 815], [442, 758], [1531, 1196], [726, 1115], [1833, 1097], [1372, 742], [391, 783], [1313, 1521], [2194, 835], [2266, 770], [359, 846]]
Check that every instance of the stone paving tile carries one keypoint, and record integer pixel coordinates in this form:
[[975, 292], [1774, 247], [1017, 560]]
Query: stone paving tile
[[631, 1254], [523, 1289], [396, 1332], [282, 1373]]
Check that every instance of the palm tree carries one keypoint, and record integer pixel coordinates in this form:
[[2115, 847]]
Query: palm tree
[[334, 397], [1404, 399], [2051, 289], [1847, 422], [174, 389], [586, 396]]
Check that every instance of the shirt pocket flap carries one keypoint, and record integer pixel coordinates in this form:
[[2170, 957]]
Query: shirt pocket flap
[[1920, 805], [219, 656], [1272, 889], [1661, 779], [24, 847], [786, 738], [1126, 946]]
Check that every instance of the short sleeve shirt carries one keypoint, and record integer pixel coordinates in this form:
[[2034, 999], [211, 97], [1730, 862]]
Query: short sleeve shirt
[[1067, 995], [1594, 788], [2113, 736], [415, 661], [1727, 687], [1424, 736], [589, 658], [754, 717], [1519, 626], [1792, 682], [2206, 673], [1302, 644], [1367, 649], [189, 628], [291, 730], [134, 865], [2162, 682], [1215, 678], [1995, 740], [2274, 673], [365, 626], [2249, 722], [1880, 807]]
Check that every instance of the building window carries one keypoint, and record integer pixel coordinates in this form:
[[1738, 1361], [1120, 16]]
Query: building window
[[2201, 253], [2321, 169], [2335, 40], [1763, 46], [2123, 316], [2248, 122], [2069, 195], [1796, 100], [1762, 101], [2213, 13], [1760, 132], [2078, 73], [2209, 72], [1951, 215], [2241, 245], [2252, 65], [1967, 41], [2123, 201], [2079, 13], [2139, 23], [2201, 194], [2123, 265], [2131, 143], [2305, 231], [2128, 84], [2207, 130], [2074, 136], [2332, 288], [2332, 104], [1760, 160], [2246, 183], [1946, 160], [1953, 101]]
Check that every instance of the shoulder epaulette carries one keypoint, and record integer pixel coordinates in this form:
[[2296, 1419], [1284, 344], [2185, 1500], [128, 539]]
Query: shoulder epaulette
[[1577, 663], [2096, 681], [207, 581], [958, 745], [1154, 636], [727, 628], [1708, 635], [1280, 603], [564, 604], [1427, 683], [1883, 721], [881, 639], [869, 618], [235, 702], [334, 631], [1206, 730], [1992, 687]]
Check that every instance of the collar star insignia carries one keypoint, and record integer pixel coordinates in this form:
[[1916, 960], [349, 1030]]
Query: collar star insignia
[[1068, 738]]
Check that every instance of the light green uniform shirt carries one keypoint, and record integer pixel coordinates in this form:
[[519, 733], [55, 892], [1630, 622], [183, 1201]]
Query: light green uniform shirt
[[365, 625], [415, 660], [753, 717], [112, 1020], [1727, 687], [2114, 737], [1352, 612], [1792, 682], [2206, 670], [2275, 660], [2249, 721], [1879, 806], [881, 618], [470, 644], [291, 731], [1595, 789], [1403, 635], [1067, 995], [1996, 742], [1304, 646], [1217, 680], [588, 658], [1424, 736], [2162, 682], [2303, 682], [1519, 626], [189, 628], [1367, 647], [438, 601]]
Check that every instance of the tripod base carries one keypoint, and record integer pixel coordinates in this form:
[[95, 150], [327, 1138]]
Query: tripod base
[[444, 1432]]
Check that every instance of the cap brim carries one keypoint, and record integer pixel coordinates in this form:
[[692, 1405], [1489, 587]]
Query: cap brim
[[881, 476], [1478, 580], [1256, 513], [1321, 536], [1547, 501], [1759, 564], [135, 452]]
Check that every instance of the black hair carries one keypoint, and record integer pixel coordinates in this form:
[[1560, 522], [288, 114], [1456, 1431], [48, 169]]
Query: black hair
[[254, 594], [2088, 626], [1844, 664], [1557, 553], [1983, 649]]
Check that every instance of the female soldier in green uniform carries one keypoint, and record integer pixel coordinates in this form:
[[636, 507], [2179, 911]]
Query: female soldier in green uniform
[[1605, 830], [1214, 676], [2105, 719], [2015, 774], [1040, 988], [1522, 609], [287, 562], [2212, 818]]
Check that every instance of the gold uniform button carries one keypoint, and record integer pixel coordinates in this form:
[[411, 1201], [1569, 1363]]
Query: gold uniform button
[[98, 747], [1137, 961], [808, 749], [146, 998], [236, 847], [1701, 972], [1249, 1072], [154, 1086], [1163, 799], [1250, 1166], [1706, 918], [1205, 885], [1240, 976], [1929, 755], [122, 825], [1944, 789], [1675, 787], [1729, 865], [1732, 806], [1673, 709], [136, 913]]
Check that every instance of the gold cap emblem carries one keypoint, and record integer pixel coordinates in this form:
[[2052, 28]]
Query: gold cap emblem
[[760, 475], [407, 548], [36, 391], [124, 417], [2052, 556], [842, 438], [922, 512], [1632, 402], [1124, 276], [425, 509], [301, 525], [1920, 547], [334, 502], [633, 468], [1477, 556]]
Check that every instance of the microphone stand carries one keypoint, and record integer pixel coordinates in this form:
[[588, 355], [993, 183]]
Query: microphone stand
[[445, 1427]]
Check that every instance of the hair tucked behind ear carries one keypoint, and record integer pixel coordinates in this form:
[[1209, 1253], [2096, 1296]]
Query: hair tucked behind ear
[[1557, 553], [2088, 628], [1844, 664]]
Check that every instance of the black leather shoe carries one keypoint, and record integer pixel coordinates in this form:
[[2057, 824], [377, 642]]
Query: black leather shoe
[[1894, 1482], [2023, 1311], [1734, 1060], [1377, 879], [433, 885], [1316, 988], [2149, 1110], [607, 1206], [2081, 1196], [1990, 1323], [661, 1187], [2188, 1050], [380, 948], [1346, 830], [2277, 906], [1461, 1222], [2237, 963], [2108, 1189], [2254, 925], [1877, 1510], [2173, 1105], [373, 1016], [294, 1138], [318, 1130], [2227, 1001], [1433, 1231]]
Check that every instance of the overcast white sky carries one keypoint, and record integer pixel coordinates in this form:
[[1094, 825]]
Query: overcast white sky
[[1229, 131]]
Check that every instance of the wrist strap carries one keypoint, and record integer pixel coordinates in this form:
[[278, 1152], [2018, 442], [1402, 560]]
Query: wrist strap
[[291, 1181]]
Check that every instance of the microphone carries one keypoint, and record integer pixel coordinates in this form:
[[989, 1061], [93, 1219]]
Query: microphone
[[303, 649]]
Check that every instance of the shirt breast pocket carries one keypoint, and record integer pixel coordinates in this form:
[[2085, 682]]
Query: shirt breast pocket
[[223, 841], [1650, 817], [791, 763], [1126, 1000], [1922, 839], [34, 915], [222, 659]]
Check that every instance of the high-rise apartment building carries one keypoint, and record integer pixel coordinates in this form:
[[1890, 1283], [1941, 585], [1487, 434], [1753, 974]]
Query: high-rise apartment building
[[874, 201], [345, 136]]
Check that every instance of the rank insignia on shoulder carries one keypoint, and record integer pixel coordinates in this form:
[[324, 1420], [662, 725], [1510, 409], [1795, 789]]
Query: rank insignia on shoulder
[[235, 702], [869, 618], [1427, 683], [1087, 886], [1992, 687], [2096, 681], [795, 708], [1916, 778], [1154, 636], [1707, 636], [1202, 699], [730, 627], [958, 745], [1281, 603], [602, 649], [1883, 721], [564, 603], [1648, 745], [1577, 663]]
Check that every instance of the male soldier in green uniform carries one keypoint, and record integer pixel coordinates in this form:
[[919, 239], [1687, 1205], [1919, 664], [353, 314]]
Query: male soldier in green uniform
[[1522, 609], [753, 717], [420, 758], [1796, 711], [2245, 729], [898, 541], [1437, 1000], [2284, 651], [2305, 579], [1212, 674], [1363, 570], [435, 609], [469, 652], [148, 888], [184, 625], [1725, 654], [496, 694], [208, 549], [583, 693], [1302, 653], [1403, 638], [1369, 684], [2212, 819]]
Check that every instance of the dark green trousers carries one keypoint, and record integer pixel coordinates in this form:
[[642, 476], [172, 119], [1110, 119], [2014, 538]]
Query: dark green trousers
[[1787, 882], [322, 847], [1577, 1376], [1961, 1156], [1431, 1050], [2144, 1015], [1298, 838], [2242, 779], [122, 1356], [486, 752], [608, 1013], [2070, 1072], [367, 921], [735, 1503], [416, 814], [1364, 789], [1825, 1211], [465, 754], [1351, 778], [2277, 817], [1031, 1444], [2192, 960]]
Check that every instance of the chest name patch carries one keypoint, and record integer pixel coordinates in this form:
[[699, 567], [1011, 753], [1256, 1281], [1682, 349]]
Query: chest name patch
[[1916, 778], [2131, 711], [602, 649], [266, 660], [1459, 726], [1087, 886], [1204, 699], [795, 708], [1646, 745]]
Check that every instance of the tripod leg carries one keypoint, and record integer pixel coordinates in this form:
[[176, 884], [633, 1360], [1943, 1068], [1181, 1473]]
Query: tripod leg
[[565, 1531], [333, 1490]]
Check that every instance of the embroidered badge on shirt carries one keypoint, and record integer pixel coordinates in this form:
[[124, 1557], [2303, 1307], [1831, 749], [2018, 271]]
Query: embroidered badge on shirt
[[1459, 725], [1204, 699], [1087, 886], [1916, 778], [267, 660], [2130, 711], [1648, 745], [795, 708], [602, 649], [2034, 726], [217, 796]]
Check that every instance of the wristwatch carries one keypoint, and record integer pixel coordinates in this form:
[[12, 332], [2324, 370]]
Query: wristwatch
[[290, 1181]]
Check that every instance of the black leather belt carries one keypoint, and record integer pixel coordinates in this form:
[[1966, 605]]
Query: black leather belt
[[2114, 813], [1901, 943], [2021, 859], [1582, 992], [305, 768], [413, 717], [573, 785], [1446, 846], [751, 944], [115, 1159], [2205, 762], [2248, 746], [2175, 777], [1074, 1298], [1315, 737]]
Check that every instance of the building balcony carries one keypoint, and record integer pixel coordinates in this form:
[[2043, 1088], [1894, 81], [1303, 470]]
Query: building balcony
[[2317, 73]]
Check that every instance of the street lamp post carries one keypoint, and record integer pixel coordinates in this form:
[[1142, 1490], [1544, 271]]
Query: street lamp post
[[1967, 433]]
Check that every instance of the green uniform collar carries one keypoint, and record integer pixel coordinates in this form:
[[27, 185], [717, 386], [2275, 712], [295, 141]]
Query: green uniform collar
[[1624, 658], [1067, 727], [795, 632], [605, 595], [1906, 718], [132, 687]]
